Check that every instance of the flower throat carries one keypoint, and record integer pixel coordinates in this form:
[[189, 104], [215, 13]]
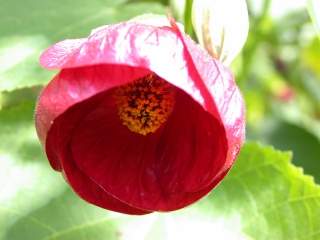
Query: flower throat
[[145, 104]]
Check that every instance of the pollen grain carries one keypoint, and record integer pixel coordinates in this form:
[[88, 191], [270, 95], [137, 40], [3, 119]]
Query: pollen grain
[[145, 104]]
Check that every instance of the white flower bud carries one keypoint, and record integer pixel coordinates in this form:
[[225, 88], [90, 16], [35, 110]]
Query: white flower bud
[[178, 7], [221, 26]]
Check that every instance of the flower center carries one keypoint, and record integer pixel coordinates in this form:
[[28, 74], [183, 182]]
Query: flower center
[[145, 104]]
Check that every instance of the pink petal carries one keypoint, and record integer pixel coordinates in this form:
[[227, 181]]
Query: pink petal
[[58, 54]]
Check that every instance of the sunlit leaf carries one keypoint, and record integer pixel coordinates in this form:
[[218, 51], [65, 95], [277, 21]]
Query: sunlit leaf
[[289, 136], [264, 197], [26, 179], [28, 28]]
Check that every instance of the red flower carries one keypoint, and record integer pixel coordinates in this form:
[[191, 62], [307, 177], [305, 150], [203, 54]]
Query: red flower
[[139, 118]]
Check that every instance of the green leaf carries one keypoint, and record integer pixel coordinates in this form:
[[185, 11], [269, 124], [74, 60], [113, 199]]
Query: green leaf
[[290, 136], [314, 11], [19, 65], [26, 179], [28, 28], [16, 97], [264, 197]]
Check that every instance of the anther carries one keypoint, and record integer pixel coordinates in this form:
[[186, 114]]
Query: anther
[[145, 104]]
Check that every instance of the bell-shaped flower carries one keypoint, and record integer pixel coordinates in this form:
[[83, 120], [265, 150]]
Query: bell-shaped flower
[[139, 117]]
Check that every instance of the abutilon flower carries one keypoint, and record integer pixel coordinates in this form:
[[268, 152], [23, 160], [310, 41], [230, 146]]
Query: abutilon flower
[[139, 118]]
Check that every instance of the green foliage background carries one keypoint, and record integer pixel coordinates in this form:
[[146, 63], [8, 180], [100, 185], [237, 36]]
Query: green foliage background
[[265, 196]]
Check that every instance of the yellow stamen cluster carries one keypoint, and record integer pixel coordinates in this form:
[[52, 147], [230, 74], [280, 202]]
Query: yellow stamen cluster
[[145, 104]]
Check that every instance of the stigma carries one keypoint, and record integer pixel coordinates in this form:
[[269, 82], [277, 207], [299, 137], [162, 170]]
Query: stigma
[[145, 104]]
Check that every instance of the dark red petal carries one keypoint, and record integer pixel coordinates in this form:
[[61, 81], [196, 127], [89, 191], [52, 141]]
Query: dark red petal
[[162, 171], [223, 89], [93, 193], [70, 87], [58, 142], [227, 98]]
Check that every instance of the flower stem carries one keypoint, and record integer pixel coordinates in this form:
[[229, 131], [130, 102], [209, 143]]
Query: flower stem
[[187, 18]]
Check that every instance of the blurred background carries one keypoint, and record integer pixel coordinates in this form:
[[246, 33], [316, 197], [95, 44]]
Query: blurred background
[[278, 72]]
